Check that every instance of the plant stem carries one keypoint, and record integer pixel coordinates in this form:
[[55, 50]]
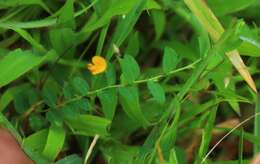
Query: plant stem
[[91, 147]]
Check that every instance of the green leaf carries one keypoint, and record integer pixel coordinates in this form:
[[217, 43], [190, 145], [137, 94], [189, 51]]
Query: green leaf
[[46, 22], [27, 36], [207, 135], [18, 2], [89, 125], [50, 93], [80, 85], [170, 60], [117, 153], [4, 123], [7, 42], [15, 3], [230, 39], [82, 104], [157, 91], [66, 18], [111, 74], [68, 112], [34, 144], [108, 99], [169, 138], [232, 6], [133, 46], [63, 41], [16, 64], [204, 45], [101, 39], [130, 68], [36, 141], [147, 149], [21, 103], [70, 159], [54, 143], [8, 96], [126, 25], [129, 99], [68, 91], [36, 122], [249, 47], [116, 8], [54, 118], [159, 21], [173, 158], [28, 25]]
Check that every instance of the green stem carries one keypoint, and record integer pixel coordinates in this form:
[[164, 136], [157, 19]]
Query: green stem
[[154, 78]]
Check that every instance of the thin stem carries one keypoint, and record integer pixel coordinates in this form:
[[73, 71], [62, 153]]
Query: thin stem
[[157, 77], [154, 78], [91, 147], [226, 135]]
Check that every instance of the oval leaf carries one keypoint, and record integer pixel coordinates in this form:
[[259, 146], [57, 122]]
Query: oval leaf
[[108, 99], [157, 91], [129, 99], [170, 60], [130, 68], [80, 85]]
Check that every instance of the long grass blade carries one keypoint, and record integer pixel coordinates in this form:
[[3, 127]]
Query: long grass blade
[[211, 24]]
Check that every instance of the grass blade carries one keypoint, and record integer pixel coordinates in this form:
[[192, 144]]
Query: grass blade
[[207, 133], [215, 30]]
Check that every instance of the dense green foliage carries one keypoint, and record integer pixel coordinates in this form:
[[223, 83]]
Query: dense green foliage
[[169, 92]]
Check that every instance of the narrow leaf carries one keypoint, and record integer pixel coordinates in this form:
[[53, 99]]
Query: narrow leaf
[[207, 135], [54, 143], [170, 137], [210, 22], [17, 63], [70, 159], [173, 157], [230, 7], [89, 125], [67, 15], [125, 26], [159, 21]]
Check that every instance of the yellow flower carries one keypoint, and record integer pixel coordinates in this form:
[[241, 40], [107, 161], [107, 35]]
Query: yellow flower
[[98, 65]]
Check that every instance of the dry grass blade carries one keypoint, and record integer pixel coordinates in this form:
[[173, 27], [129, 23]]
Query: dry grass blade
[[241, 68]]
